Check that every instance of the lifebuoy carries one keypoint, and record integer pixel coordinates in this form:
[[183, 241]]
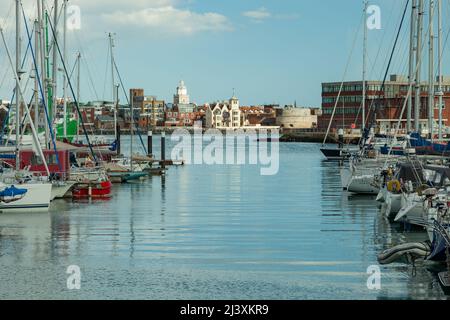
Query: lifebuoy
[[394, 186]]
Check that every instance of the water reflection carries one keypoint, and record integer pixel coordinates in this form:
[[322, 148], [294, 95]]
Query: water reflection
[[221, 232]]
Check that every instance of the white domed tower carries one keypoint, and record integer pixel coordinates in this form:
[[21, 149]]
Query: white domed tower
[[182, 96]]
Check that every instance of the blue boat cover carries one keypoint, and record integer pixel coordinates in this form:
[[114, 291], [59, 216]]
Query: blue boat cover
[[12, 192]]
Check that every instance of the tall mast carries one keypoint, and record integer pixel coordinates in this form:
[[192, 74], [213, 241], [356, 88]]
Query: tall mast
[[18, 72], [43, 54], [439, 92], [366, 3], [116, 106], [36, 84], [411, 63], [65, 61], [111, 44], [55, 61], [132, 132], [431, 72], [417, 99], [78, 89]]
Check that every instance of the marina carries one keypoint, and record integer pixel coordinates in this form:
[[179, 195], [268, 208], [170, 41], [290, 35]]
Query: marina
[[126, 195]]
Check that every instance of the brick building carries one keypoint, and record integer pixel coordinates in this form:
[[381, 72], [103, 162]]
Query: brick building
[[386, 106]]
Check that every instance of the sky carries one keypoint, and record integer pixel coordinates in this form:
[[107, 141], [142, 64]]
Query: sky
[[267, 51]]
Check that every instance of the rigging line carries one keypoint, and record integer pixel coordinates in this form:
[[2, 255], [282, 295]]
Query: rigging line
[[410, 88], [6, 120], [383, 85], [372, 70], [343, 78], [5, 27], [375, 101], [50, 48], [383, 37], [73, 94], [40, 88], [84, 54], [91, 79], [132, 116], [73, 69]]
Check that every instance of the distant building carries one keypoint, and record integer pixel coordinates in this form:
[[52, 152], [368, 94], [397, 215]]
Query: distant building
[[258, 116], [153, 112], [224, 115], [104, 122], [181, 100], [148, 110], [296, 118], [176, 119], [385, 106], [181, 97]]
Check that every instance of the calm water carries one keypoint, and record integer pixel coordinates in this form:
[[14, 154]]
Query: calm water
[[220, 232]]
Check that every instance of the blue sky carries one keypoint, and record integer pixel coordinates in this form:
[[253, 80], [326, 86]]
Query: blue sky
[[269, 51]]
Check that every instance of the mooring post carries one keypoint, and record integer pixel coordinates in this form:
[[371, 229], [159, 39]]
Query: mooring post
[[150, 144], [163, 150]]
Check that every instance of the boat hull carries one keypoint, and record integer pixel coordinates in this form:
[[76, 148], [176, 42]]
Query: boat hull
[[37, 199], [363, 185], [335, 154], [60, 190], [100, 190]]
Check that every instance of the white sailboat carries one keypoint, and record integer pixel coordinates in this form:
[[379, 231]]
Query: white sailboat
[[19, 194]]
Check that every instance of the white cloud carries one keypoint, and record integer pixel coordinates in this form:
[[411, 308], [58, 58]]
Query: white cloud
[[104, 6], [169, 19], [258, 14]]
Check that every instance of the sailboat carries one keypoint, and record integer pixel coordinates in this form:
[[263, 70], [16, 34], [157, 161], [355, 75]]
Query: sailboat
[[123, 169], [16, 194]]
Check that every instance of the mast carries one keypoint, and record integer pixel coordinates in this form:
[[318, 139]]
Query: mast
[[439, 92], [55, 62], [366, 3], [431, 72], [36, 84], [65, 61], [411, 63], [131, 132], [18, 72], [418, 93], [116, 106], [111, 44], [78, 89], [44, 57]]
